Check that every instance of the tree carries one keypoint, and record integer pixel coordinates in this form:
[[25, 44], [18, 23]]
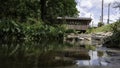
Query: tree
[[19, 10], [51, 9], [47, 10], [43, 9], [116, 5]]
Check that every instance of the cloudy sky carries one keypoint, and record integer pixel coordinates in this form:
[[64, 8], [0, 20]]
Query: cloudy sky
[[92, 8]]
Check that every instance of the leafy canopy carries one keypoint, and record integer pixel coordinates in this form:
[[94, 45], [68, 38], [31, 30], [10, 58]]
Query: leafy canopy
[[22, 10]]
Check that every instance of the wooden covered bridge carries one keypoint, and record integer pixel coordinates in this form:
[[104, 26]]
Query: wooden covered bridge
[[80, 23]]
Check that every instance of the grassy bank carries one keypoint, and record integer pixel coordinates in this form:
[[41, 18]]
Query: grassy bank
[[114, 40], [105, 28]]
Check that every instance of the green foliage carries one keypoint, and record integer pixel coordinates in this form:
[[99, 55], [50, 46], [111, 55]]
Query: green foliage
[[37, 31], [105, 28], [115, 27], [90, 47], [22, 10], [100, 24], [70, 31], [51, 9], [19, 9], [10, 29], [61, 8], [114, 40], [20, 21], [29, 11], [90, 29]]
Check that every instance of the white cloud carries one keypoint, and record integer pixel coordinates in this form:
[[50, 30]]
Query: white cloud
[[86, 4], [96, 3], [112, 18], [109, 1], [92, 8], [82, 11], [88, 15]]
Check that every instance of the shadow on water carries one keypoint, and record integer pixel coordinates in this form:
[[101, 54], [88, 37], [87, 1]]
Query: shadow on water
[[29, 54], [49, 53]]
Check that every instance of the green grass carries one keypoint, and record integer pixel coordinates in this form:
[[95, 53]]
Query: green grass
[[105, 28]]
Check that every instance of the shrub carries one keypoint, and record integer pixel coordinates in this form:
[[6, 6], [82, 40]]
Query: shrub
[[100, 24], [10, 30], [13, 30], [70, 31]]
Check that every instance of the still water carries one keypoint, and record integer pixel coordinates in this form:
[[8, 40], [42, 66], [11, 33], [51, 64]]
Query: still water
[[42, 54], [94, 61]]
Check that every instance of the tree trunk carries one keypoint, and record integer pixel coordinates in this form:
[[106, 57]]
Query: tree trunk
[[43, 11]]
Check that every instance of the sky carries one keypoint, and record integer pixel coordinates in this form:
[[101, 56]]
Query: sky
[[92, 8]]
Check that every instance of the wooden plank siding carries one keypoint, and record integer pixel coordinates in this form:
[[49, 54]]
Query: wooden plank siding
[[77, 27], [76, 23]]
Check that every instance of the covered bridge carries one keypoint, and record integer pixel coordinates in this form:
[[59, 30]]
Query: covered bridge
[[80, 23]]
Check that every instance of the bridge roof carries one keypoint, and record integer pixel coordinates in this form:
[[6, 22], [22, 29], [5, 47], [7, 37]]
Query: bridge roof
[[74, 18]]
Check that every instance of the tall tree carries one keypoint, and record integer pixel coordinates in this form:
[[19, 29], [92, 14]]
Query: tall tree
[[117, 5], [51, 9], [19, 9], [43, 9], [47, 10]]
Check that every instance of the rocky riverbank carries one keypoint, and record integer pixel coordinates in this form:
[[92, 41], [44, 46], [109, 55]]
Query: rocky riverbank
[[108, 56], [111, 57], [91, 39]]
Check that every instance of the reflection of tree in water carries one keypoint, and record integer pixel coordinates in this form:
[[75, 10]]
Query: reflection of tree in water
[[30, 53]]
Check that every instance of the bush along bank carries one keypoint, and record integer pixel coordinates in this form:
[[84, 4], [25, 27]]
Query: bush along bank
[[114, 40], [11, 30], [24, 44]]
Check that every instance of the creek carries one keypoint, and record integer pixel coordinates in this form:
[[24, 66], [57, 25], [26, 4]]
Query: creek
[[57, 54]]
